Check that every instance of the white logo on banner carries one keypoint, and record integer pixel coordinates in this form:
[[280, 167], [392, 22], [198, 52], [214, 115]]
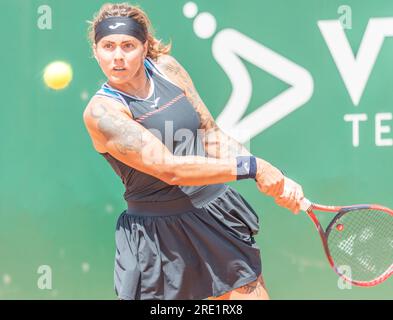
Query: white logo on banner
[[229, 48], [355, 71]]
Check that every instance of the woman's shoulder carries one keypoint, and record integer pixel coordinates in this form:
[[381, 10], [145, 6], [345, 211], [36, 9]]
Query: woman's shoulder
[[98, 102], [171, 69], [165, 59], [96, 108], [168, 64]]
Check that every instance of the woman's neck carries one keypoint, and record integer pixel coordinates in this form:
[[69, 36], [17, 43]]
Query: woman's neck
[[138, 87]]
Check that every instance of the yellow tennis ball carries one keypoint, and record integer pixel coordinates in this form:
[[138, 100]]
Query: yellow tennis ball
[[57, 75]]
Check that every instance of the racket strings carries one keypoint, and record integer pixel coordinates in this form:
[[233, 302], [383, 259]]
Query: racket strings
[[361, 244]]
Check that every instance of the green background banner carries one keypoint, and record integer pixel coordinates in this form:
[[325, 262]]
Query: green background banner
[[311, 78]]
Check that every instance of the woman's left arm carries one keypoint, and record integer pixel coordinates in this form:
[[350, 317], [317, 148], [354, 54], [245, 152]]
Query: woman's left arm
[[217, 143]]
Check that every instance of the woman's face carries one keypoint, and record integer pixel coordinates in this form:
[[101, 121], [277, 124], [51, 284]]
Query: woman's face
[[120, 57]]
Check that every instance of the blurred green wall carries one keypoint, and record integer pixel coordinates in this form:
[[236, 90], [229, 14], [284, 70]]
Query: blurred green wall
[[59, 199]]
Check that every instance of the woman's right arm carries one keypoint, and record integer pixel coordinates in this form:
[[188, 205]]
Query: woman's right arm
[[126, 140]]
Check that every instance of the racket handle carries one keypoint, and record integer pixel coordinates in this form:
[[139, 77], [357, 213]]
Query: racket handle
[[305, 204]]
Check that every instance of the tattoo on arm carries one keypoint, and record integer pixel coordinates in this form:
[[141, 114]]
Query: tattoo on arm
[[125, 136]]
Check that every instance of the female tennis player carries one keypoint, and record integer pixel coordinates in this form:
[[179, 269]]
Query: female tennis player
[[185, 234]]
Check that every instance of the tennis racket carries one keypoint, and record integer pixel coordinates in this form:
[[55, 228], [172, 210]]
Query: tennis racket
[[358, 239]]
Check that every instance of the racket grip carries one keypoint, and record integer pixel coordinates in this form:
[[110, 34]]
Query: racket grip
[[305, 204]]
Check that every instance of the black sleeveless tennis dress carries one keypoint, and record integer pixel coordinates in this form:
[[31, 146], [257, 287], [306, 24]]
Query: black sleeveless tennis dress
[[178, 242]]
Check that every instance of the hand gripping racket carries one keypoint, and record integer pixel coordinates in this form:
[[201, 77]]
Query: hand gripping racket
[[358, 242]]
